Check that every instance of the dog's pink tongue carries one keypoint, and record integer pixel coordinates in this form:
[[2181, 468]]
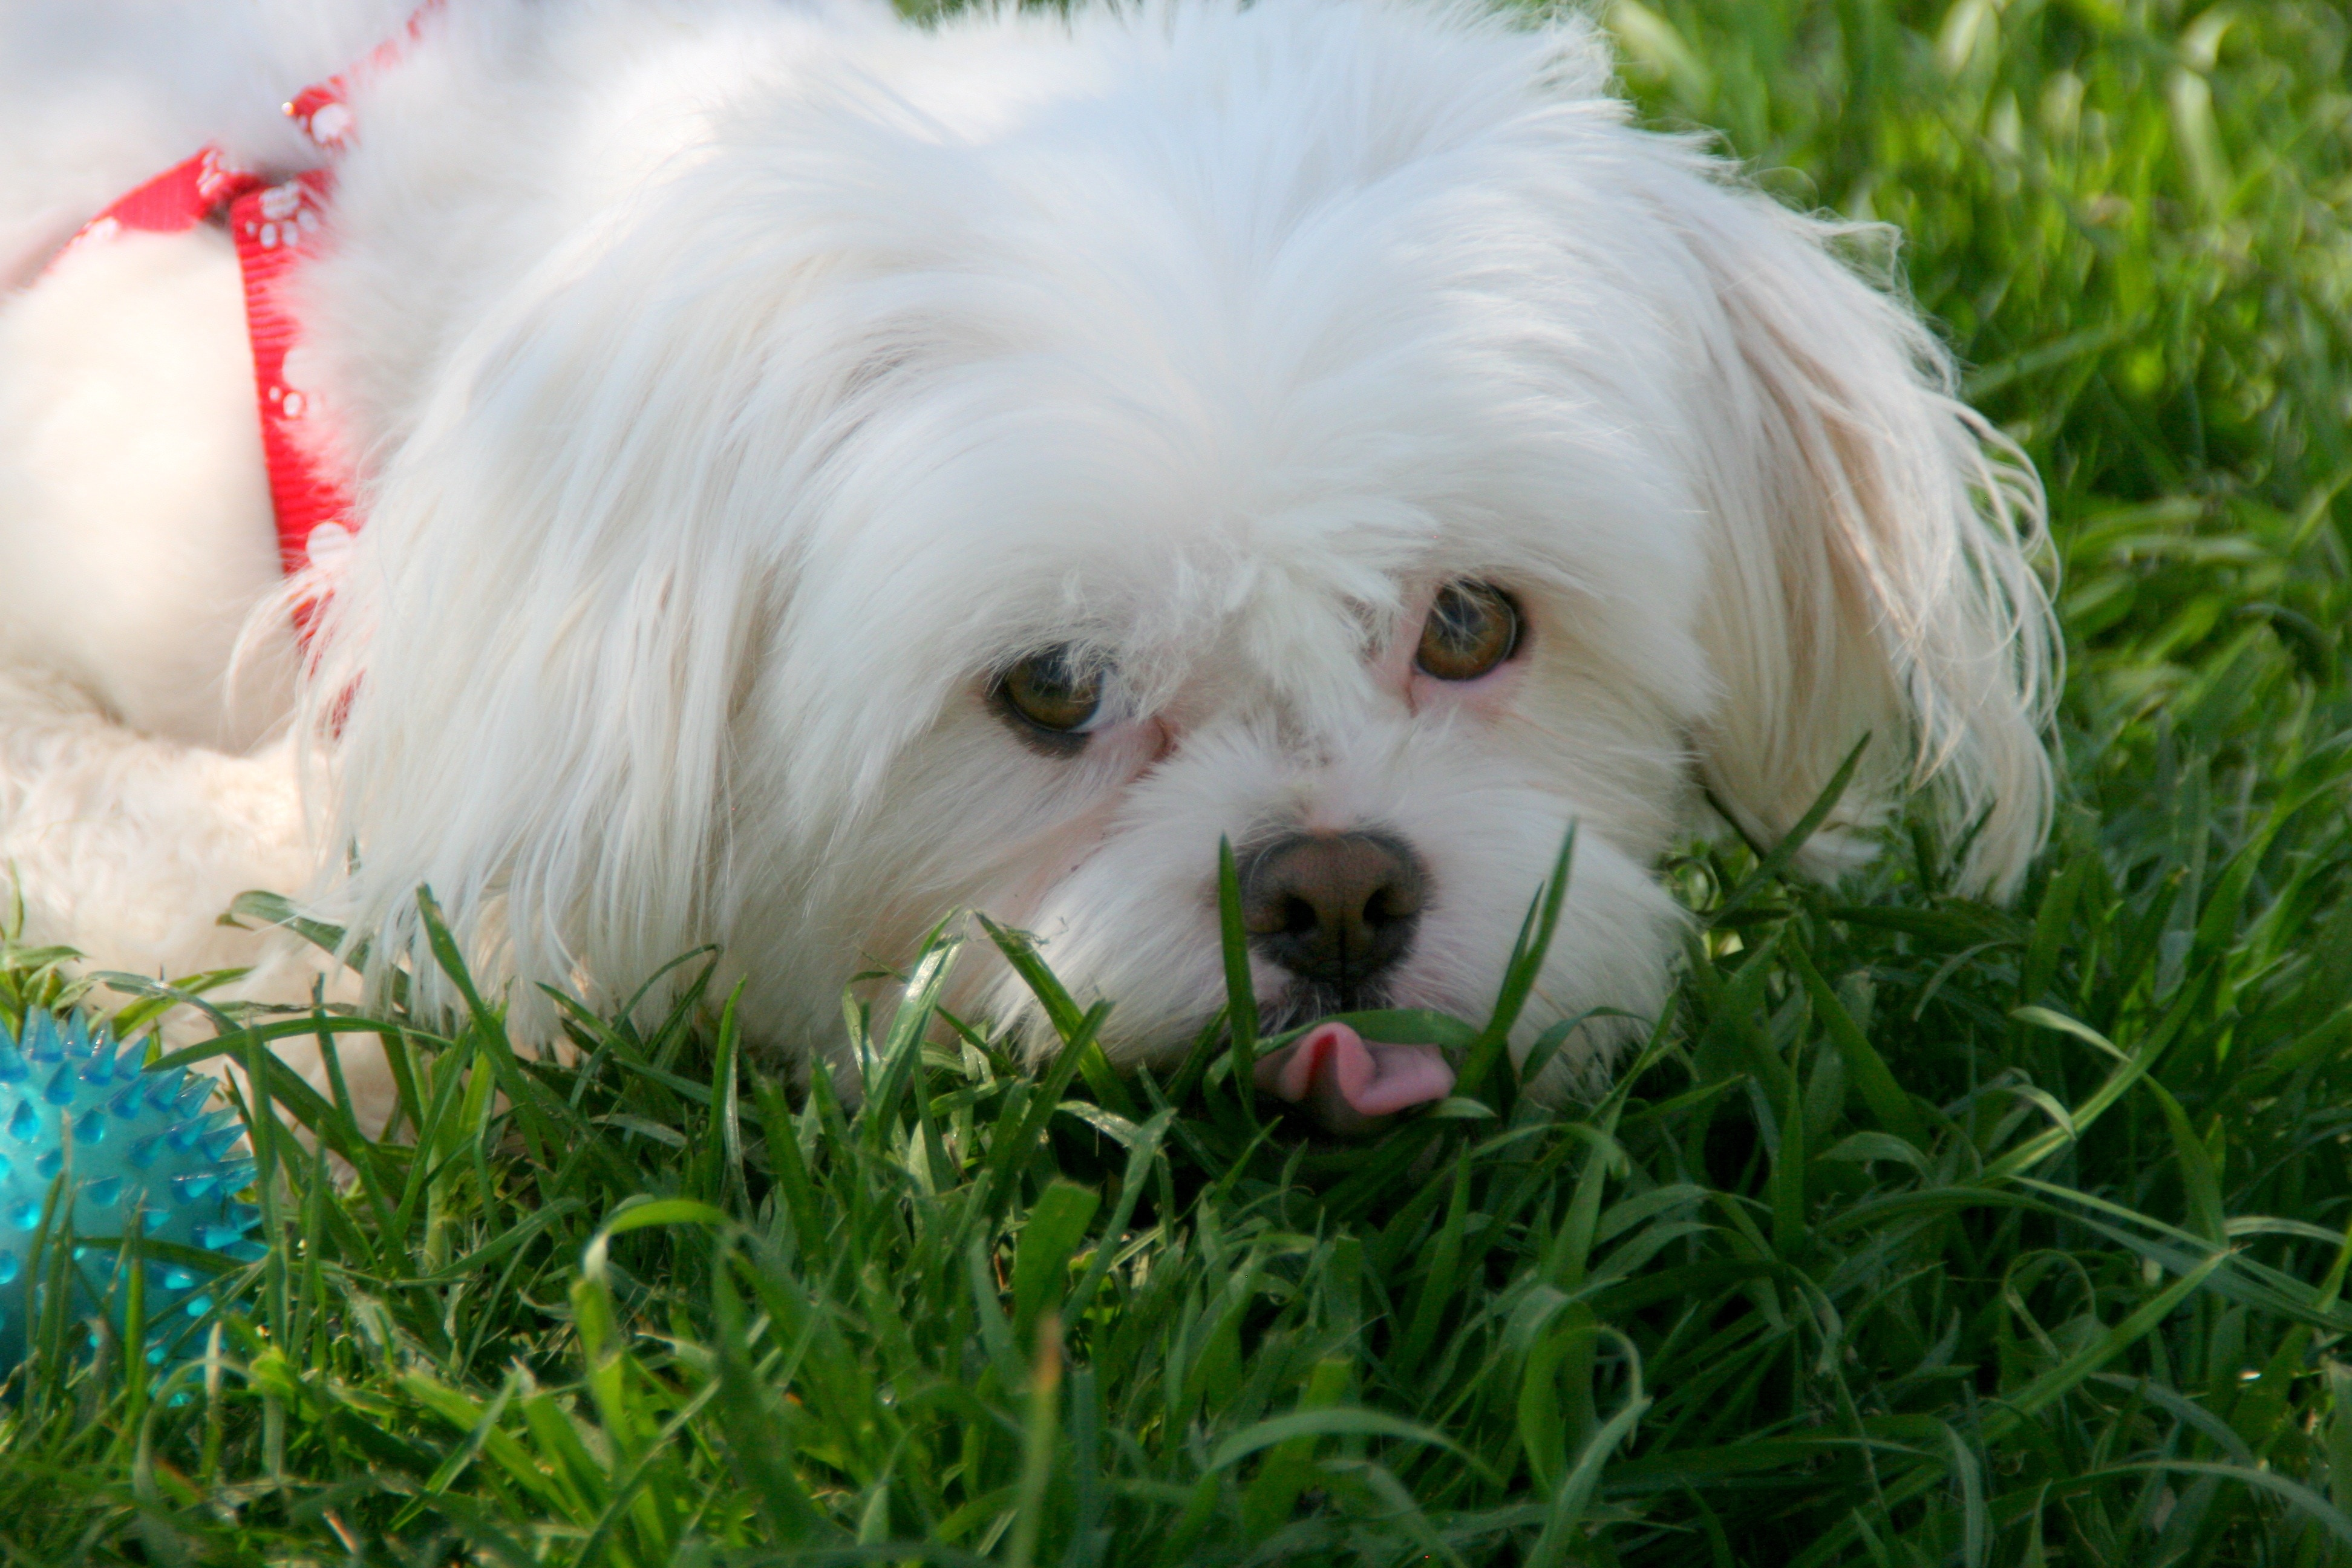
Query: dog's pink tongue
[[1347, 1083]]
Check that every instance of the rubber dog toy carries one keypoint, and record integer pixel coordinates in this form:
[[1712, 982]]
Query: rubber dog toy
[[73, 1102]]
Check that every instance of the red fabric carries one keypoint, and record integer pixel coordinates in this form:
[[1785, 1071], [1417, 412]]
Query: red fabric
[[273, 227], [320, 111], [276, 226], [171, 202]]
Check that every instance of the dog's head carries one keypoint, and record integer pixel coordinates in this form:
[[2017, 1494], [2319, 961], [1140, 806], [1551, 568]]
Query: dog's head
[[990, 478]]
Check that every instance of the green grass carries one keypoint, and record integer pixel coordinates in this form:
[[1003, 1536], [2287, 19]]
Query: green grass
[[1922, 1232]]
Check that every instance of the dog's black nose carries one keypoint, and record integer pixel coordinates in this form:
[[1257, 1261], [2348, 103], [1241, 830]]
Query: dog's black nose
[[1333, 908]]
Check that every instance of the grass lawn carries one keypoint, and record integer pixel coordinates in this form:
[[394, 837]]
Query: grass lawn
[[1924, 1231]]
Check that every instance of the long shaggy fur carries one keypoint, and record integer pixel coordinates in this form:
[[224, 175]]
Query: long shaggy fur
[[736, 388]]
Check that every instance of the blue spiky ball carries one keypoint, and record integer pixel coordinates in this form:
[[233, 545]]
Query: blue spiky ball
[[139, 1143]]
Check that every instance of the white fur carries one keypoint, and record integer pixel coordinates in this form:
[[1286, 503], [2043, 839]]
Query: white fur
[[736, 386]]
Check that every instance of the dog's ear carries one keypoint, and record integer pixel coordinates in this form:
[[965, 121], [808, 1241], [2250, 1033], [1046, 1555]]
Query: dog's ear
[[1870, 558], [533, 657]]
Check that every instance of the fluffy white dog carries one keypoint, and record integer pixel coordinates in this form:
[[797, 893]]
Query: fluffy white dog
[[817, 473]]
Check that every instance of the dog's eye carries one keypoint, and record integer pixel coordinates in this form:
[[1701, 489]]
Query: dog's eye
[[1472, 628], [1049, 692]]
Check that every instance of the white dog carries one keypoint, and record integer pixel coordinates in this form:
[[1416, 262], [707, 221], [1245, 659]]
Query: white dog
[[815, 474]]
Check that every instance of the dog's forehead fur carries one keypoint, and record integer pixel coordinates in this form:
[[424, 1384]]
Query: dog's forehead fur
[[1204, 381]]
